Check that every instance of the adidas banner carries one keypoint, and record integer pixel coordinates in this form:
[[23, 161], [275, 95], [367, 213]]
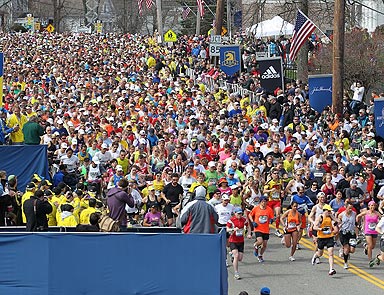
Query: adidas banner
[[271, 73], [320, 91], [230, 59]]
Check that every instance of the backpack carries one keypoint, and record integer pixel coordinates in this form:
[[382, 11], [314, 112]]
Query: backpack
[[107, 224]]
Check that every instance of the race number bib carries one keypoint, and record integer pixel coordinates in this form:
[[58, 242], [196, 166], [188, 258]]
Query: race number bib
[[372, 225], [291, 225], [263, 219], [276, 196], [239, 233], [352, 242], [326, 230]]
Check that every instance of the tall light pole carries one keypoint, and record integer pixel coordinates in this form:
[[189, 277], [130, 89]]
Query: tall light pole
[[159, 19]]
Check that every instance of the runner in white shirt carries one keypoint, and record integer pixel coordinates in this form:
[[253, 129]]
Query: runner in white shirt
[[224, 210]]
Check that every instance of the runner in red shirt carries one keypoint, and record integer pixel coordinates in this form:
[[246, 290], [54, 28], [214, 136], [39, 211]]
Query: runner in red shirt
[[235, 226]]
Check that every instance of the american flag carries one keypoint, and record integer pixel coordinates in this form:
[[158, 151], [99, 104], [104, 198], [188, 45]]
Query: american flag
[[200, 7], [303, 29], [149, 3], [140, 4], [185, 13]]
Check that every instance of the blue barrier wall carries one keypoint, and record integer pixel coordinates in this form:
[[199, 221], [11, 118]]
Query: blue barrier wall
[[97, 263], [24, 161]]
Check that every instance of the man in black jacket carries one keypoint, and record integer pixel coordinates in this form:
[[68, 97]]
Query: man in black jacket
[[36, 210], [275, 109]]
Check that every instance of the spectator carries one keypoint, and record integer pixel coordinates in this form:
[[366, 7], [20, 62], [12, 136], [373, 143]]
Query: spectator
[[199, 216], [32, 131], [36, 209], [117, 198]]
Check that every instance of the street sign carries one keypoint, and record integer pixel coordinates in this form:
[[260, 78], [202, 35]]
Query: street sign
[[214, 45], [37, 26], [99, 27], [170, 36], [50, 28]]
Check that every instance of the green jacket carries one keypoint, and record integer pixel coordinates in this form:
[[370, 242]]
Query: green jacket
[[32, 132]]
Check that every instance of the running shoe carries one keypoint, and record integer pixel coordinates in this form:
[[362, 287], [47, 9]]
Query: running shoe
[[282, 241], [365, 249], [341, 252], [358, 241], [237, 276], [374, 261], [346, 266], [298, 246], [291, 258], [332, 272], [256, 251], [260, 258], [315, 259], [278, 234]]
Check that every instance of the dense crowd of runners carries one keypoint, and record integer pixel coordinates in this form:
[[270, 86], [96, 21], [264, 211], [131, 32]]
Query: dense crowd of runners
[[139, 130]]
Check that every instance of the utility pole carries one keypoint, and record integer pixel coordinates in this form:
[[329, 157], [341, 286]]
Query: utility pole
[[159, 20], [219, 17], [198, 22], [229, 23], [338, 56], [302, 56]]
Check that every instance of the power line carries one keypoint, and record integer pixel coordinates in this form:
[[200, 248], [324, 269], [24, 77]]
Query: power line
[[363, 5]]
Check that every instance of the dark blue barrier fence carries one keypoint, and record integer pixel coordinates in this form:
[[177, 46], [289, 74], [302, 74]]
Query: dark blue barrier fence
[[24, 161], [98, 263]]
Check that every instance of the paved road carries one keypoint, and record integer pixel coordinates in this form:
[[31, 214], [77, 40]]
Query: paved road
[[301, 277]]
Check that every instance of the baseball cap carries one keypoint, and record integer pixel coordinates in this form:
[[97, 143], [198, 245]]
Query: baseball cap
[[10, 177], [225, 197], [263, 198], [104, 146], [355, 158], [320, 194], [297, 156], [265, 291], [238, 210], [96, 160], [231, 171], [319, 161], [353, 182], [234, 186], [142, 132], [211, 164], [327, 207], [371, 134], [64, 145], [119, 168], [380, 161]]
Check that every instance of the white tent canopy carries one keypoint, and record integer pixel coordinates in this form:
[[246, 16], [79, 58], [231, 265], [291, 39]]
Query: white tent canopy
[[271, 27]]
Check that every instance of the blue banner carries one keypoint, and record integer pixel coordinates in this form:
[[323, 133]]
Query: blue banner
[[24, 161], [320, 91], [379, 117], [118, 263], [230, 59]]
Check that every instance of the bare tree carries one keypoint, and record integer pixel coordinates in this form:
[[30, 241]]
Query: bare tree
[[363, 61]]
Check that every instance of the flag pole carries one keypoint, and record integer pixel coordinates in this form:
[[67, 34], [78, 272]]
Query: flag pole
[[185, 4], [316, 26], [209, 8]]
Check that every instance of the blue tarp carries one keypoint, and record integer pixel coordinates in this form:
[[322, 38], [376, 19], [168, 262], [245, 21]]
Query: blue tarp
[[97, 263], [24, 161]]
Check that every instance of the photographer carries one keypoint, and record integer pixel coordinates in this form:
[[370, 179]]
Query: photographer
[[32, 131], [36, 209], [117, 198]]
